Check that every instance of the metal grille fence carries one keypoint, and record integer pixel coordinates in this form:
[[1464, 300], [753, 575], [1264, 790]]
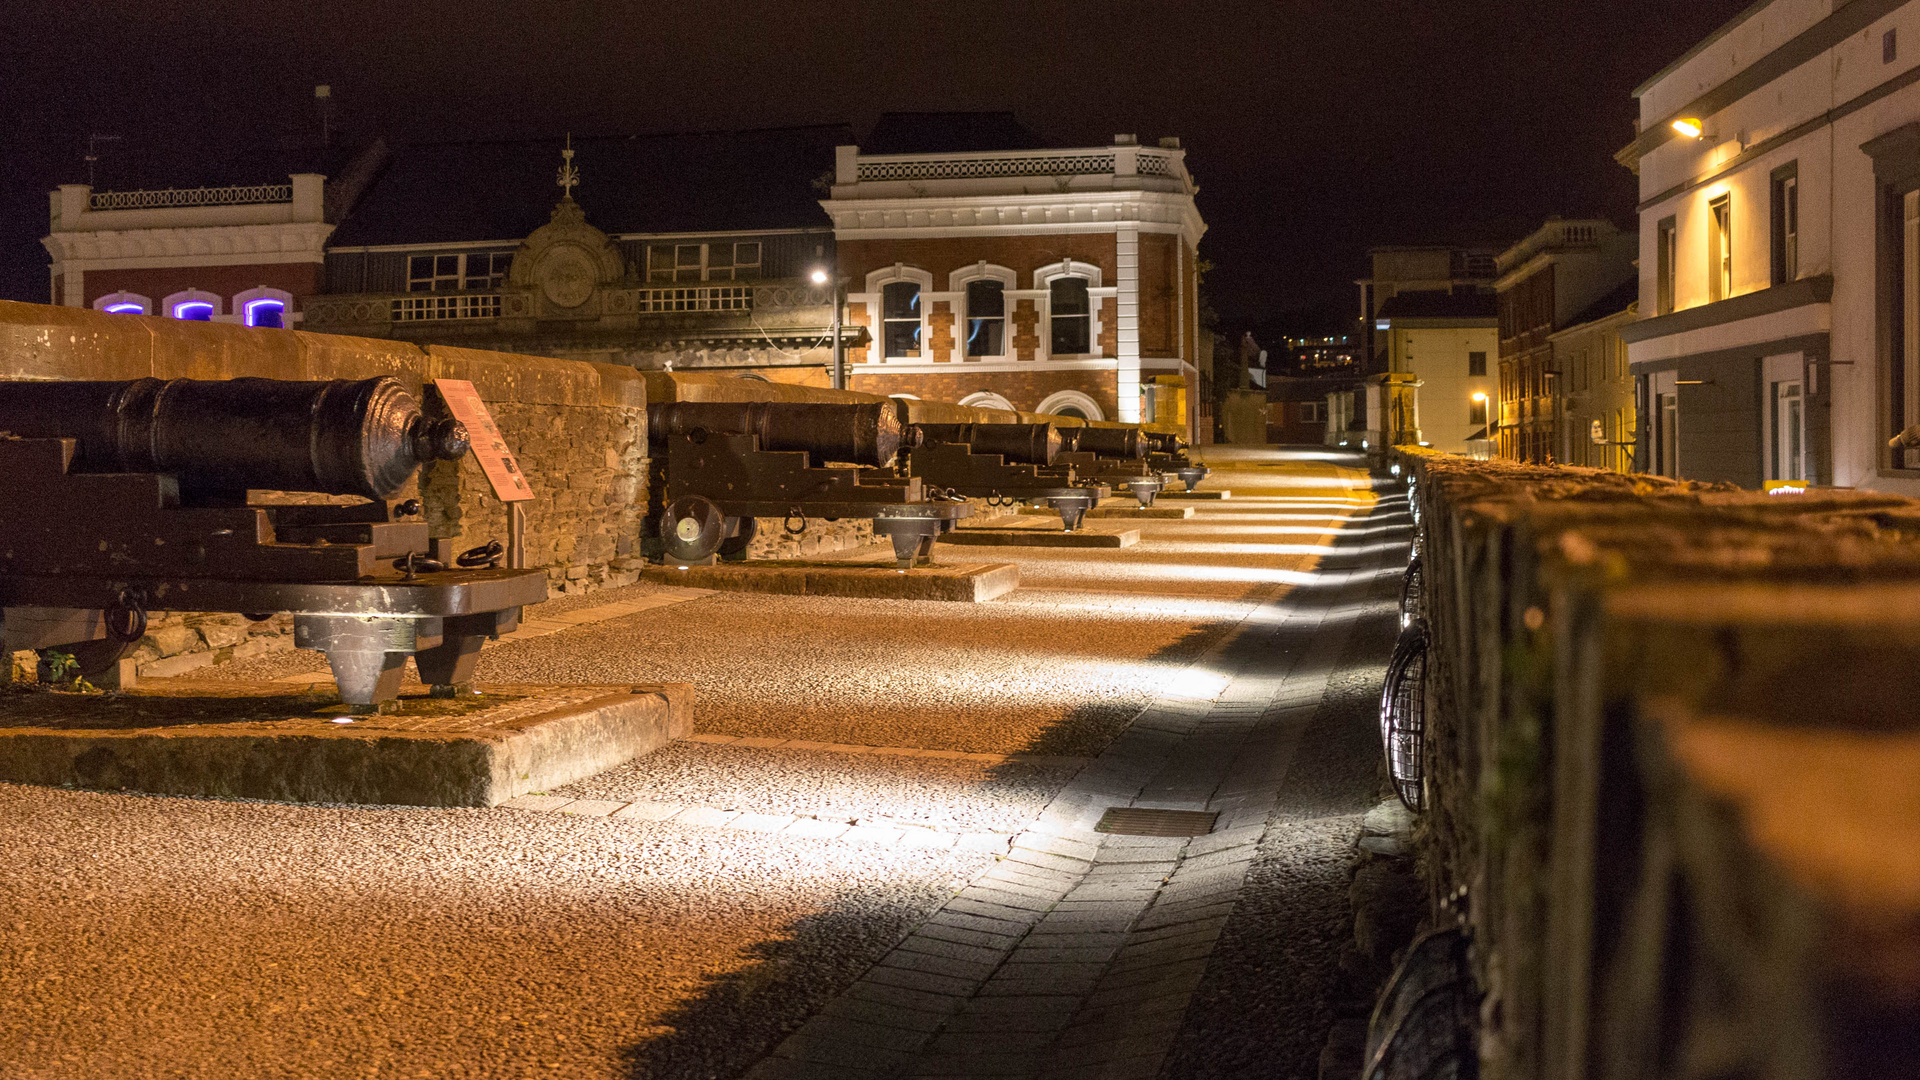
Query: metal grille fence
[[434, 308], [706, 298], [171, 197]]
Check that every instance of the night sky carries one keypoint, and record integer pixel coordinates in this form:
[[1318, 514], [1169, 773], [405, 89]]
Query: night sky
[[1315, 130]]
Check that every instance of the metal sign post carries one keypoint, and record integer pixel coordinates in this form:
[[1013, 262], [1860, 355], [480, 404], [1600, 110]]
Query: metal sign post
[[503, 473]]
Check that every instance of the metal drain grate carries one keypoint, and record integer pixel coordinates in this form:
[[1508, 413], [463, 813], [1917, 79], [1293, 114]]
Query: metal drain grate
[[1140, 821]]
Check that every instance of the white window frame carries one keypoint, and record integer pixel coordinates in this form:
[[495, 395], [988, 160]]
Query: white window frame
[[243, 304], [704, 267], [987, 399], [877, 281], [1074, 398], [463, 270], [957, 283], [193, 296], [1043, 280], [121, 298]]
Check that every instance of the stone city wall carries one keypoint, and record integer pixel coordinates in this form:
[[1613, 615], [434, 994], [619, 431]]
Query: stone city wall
[[1670, 758]]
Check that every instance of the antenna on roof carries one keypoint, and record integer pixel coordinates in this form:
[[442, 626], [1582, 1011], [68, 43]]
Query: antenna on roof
[[569, 172], [93, 152], [324, 95]]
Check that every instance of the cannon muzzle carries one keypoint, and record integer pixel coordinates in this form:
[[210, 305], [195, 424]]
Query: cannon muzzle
[[220, 438], [858, 434], [1019, 444], [1106, 442]]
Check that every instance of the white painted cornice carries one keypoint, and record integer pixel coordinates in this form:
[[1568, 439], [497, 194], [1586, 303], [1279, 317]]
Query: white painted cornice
[[1104, 211], [208, 245]]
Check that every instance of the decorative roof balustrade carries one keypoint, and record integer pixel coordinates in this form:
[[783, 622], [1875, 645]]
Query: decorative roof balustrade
[[250, 194]]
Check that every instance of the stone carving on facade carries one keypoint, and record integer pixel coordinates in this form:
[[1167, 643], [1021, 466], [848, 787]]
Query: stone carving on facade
[[564, 263]]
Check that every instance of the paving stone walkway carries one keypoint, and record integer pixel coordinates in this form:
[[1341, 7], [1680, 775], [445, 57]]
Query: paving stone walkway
[[1077, 955]]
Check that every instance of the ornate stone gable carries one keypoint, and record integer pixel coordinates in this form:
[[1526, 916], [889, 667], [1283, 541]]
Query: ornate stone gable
[[563, 268]]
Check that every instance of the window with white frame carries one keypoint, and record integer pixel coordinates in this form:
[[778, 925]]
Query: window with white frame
[[717, 261], [1720, 248], [192, 305], [986, 318], [1070, 316], [124, 303], [1313, 412], [900, 319], [476, 271], [264, 306], [1789, 432]]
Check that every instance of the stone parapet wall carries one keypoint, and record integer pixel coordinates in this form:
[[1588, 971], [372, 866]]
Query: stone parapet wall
[[1673, 735]]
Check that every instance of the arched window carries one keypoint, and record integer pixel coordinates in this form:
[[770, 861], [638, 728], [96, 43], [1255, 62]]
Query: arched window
[[266, 312], [124, 303], [1071, 403], [986, 318], [900, 313], [1071, 315], [193, 305], [986, 399]]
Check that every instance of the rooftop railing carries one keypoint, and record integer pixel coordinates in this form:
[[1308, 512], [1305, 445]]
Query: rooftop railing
[[165, 198]]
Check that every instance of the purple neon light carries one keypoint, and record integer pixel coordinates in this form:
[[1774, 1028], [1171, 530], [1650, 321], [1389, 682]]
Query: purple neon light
[[194, 311], [125, 309], [266, 312]]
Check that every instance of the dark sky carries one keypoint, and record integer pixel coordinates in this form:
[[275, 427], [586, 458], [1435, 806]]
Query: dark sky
[[1315, 129]]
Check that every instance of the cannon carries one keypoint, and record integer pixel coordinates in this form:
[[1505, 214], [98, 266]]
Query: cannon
[[126, 498], [1114, 457], [717, 466], [1000, 463], [1167, 452]]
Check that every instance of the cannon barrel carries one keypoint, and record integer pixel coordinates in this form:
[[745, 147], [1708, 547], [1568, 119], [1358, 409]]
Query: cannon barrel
[[220, 438], [1165, 442], [1106, 442], [857, 434], [1019, 444]]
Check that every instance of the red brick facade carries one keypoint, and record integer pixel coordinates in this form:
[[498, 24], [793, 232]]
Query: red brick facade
[[1026, 332], [940, 331], [857, 316], [943, 255], [300, 279], [1025, 389], [1109, 343]]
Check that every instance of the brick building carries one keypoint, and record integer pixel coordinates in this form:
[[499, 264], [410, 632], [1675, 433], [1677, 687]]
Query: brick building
[[991, 270]]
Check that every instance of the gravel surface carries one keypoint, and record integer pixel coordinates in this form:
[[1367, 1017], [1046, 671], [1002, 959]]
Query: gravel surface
[[151, 937], [186, 938], [956, 796]]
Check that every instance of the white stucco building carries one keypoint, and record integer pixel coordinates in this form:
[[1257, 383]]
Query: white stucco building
[[1779, 331]]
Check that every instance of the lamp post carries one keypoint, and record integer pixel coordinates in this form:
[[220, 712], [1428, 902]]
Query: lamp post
[[838, 374]]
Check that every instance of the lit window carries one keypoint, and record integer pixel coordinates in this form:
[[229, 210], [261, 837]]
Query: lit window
[[900, 311], [986, 318], [1720, 248], [1072, 317], [266, 313], [194, 311]]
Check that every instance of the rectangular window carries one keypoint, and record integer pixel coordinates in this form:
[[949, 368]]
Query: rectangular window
[[1789, 431], [1477, 412], [1477, 364], [727, 261], [1720, 248], [1667, 440], [1786, 223], [475, 272], [900, 313], [1667, 243], [1311, 412], [986, 318], [1072, 317], [1890, 46]]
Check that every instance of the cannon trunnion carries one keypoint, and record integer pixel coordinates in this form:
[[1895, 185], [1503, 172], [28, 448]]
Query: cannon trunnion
[[128, 498], [999, 462], [717, 466]]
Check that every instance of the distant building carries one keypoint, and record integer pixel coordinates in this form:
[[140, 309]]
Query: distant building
[[1779, 166], [1240, 388], [1297, 408], [1599, 414], [1547, 282], [1396, 270], [990, 269], [1323, 355], [1438, 381]]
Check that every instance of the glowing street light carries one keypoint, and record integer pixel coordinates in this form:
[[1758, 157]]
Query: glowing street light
[[1479, 397], [1689, 127], [819, 277]]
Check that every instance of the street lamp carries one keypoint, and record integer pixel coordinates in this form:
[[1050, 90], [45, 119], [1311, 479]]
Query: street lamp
[[838, 375]]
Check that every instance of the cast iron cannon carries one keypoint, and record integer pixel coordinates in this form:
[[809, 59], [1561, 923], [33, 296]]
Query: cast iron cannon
[[131, 497], [1115, 457], [1001, 463], [1168, 453], [717, 466]]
